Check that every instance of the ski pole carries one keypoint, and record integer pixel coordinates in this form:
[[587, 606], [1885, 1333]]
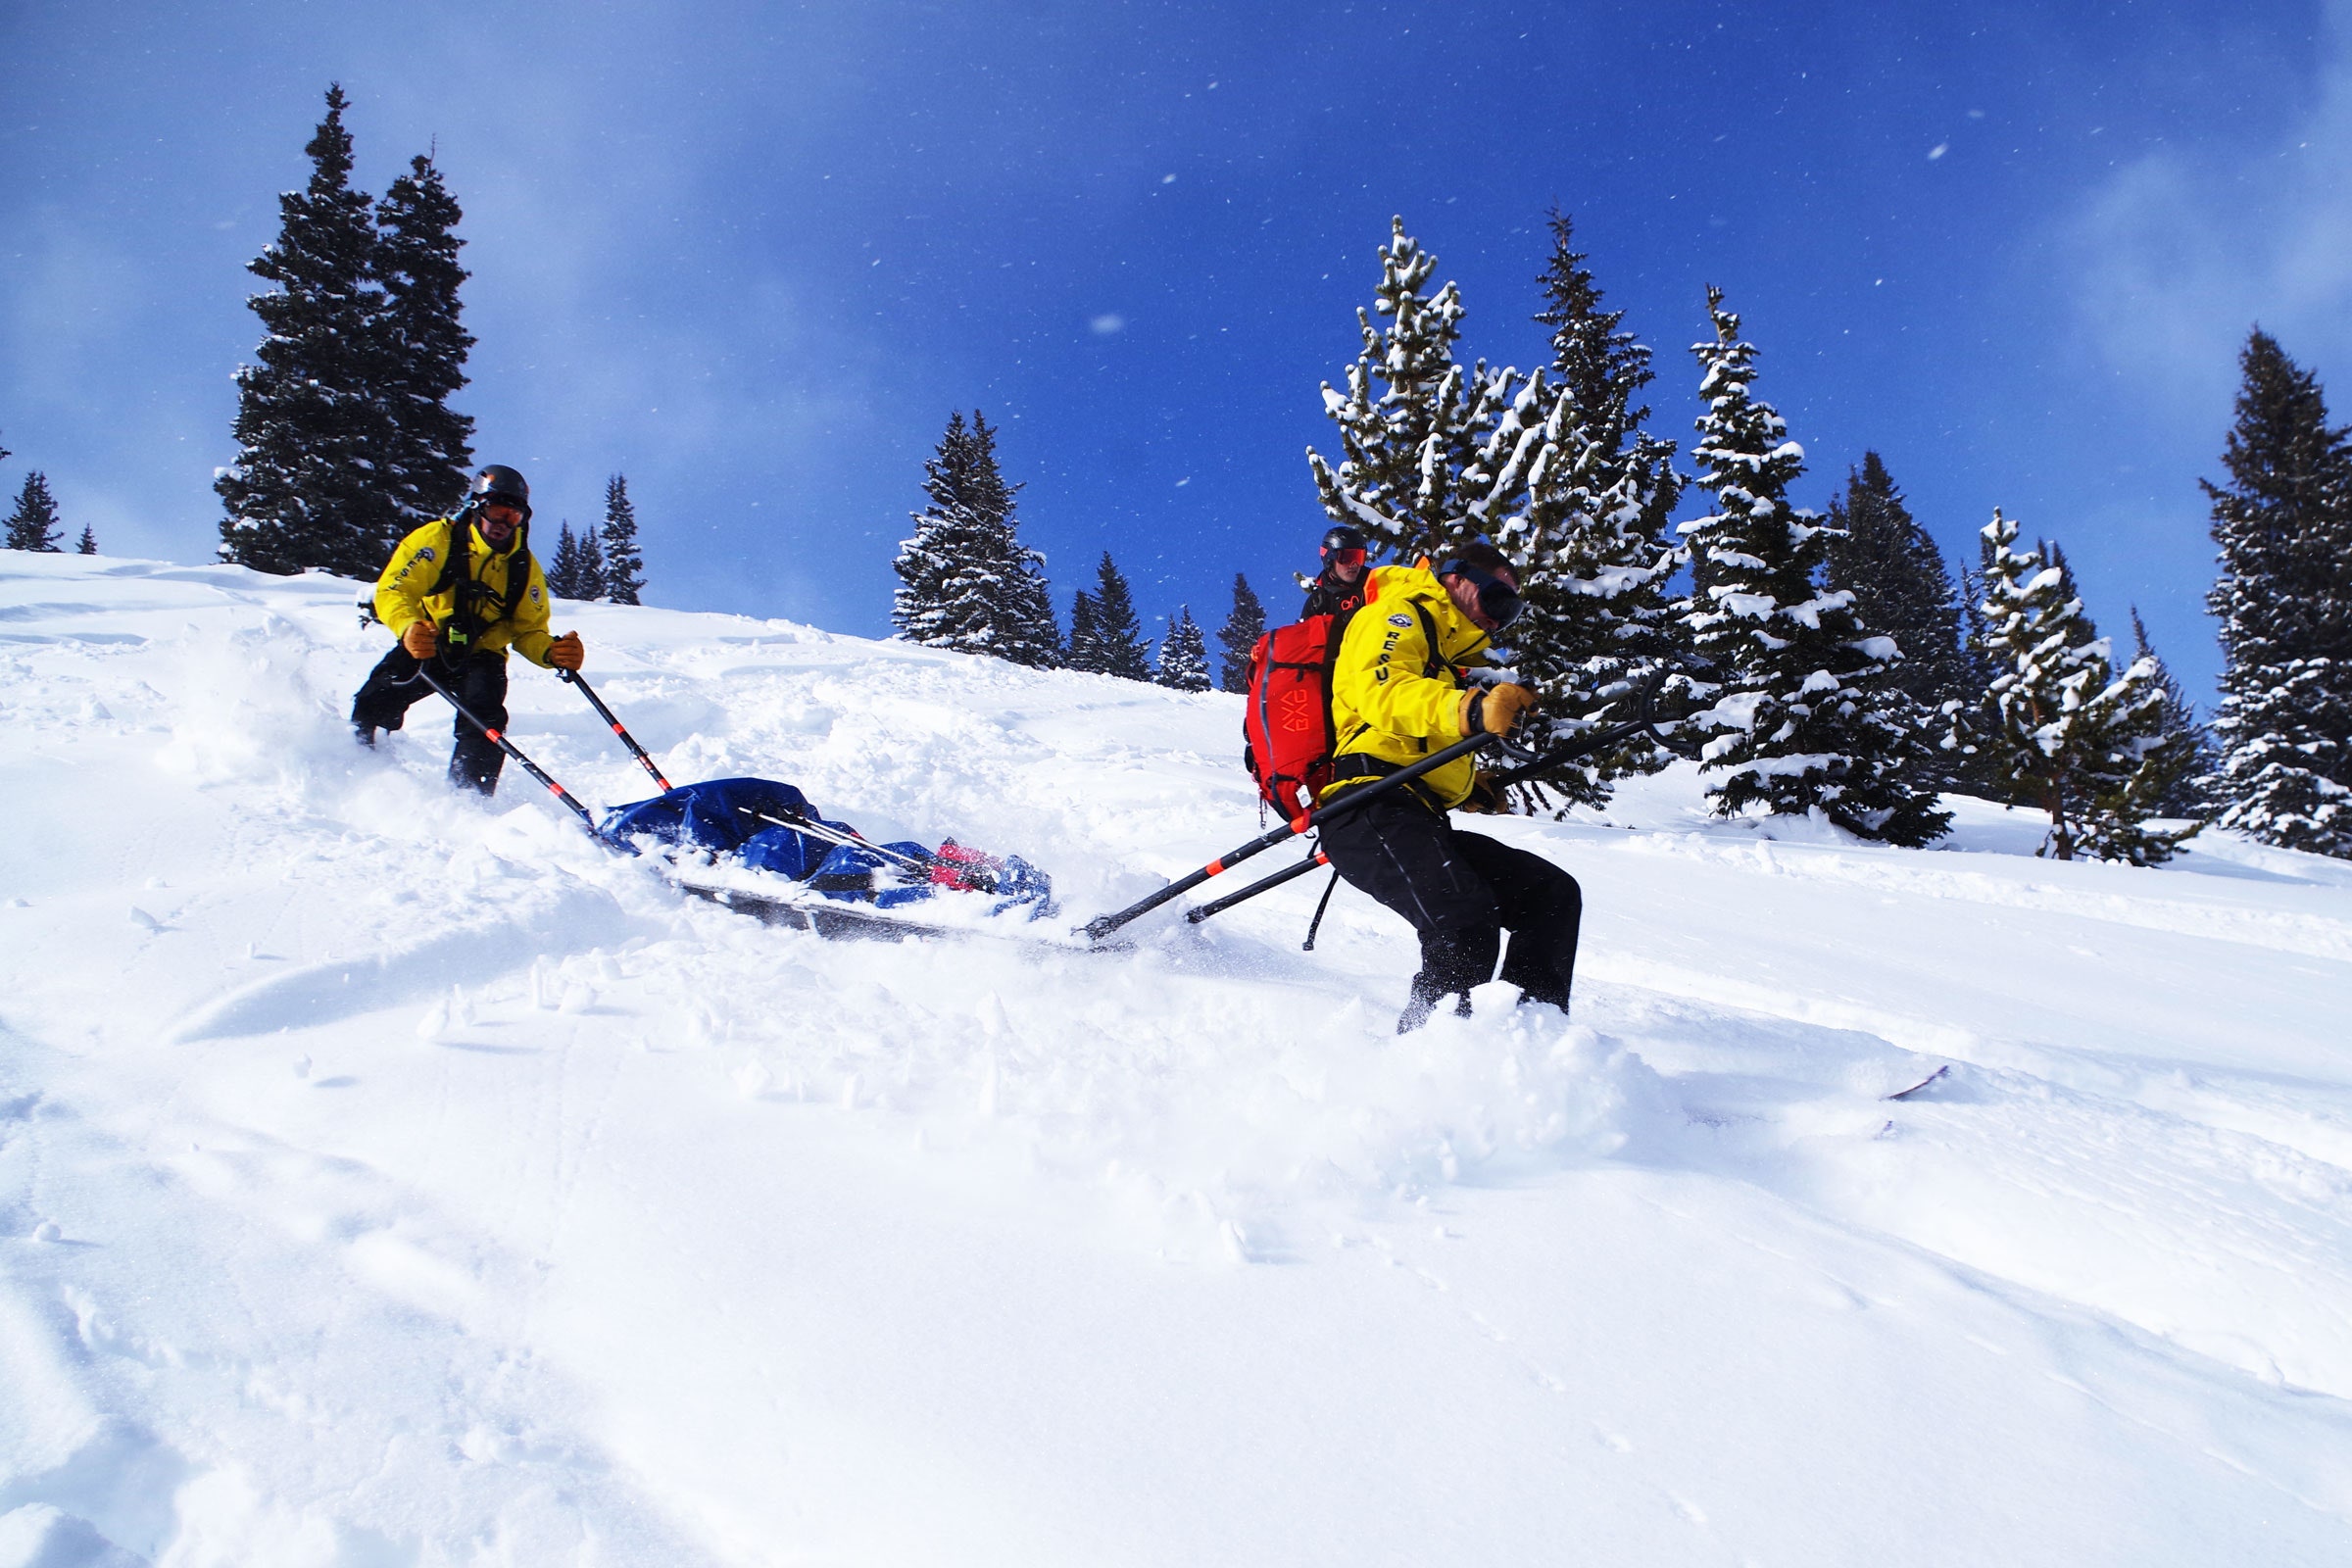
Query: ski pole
[[587, 819], [1102, 926], [574, 677], [1264, 884], [1321, 904]]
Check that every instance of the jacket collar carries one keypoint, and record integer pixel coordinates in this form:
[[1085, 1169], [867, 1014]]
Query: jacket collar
[[1459, 636]]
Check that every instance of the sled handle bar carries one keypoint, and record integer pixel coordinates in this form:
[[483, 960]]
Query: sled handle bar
[[573, 677], [1645, 719], [1533, 767], [1305, 822], [1566, 754], [587, 818], [1264, 884], [827, 833]]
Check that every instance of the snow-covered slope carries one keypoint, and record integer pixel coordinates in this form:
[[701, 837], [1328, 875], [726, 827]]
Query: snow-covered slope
[[385, 1179]]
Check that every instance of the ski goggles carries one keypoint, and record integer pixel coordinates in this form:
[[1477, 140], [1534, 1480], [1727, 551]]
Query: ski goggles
[[1498, 600], [1345, 558]]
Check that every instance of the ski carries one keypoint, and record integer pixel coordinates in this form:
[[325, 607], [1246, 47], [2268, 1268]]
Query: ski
[[1943, 1072], [836, 920]]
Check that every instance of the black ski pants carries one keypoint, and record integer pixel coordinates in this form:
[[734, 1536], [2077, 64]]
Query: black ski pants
[[479, 681], [1461, 891]]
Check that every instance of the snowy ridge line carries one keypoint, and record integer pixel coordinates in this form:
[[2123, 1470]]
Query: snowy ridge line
[[2315, 936]]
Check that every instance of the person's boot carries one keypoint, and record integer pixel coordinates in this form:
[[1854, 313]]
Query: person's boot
[[1417, 1008], [1452, 962], [365, 734]]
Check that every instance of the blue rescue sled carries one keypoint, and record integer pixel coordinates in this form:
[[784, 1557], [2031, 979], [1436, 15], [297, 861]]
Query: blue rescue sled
[[770, 828]]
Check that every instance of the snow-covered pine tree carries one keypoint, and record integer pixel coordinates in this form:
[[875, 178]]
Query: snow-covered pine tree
[[1086, 636], [89, 541], [2191, 794], [1420, 437], [2284, 598], [621, 566], [967, 582], [1184, 655], [1125, 651], [1243, 626], [311, 426], [34, 525], [2062, 730], [1809, 718], [422, 345], [1591, 548]]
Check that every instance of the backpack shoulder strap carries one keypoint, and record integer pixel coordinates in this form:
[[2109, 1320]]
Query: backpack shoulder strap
[[1428, 632], [451, 553]]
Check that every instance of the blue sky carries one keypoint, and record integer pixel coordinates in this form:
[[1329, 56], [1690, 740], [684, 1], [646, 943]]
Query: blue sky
[[752, 254]]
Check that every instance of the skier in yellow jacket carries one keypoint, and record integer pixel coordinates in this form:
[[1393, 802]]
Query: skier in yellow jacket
[[458, 592], [1397, 692]]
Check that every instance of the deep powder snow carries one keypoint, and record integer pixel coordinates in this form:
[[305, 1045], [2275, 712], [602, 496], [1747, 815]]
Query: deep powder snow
[[390, 1179]]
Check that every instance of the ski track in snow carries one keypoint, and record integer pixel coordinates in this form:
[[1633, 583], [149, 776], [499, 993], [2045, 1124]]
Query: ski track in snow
[[390, 1179]]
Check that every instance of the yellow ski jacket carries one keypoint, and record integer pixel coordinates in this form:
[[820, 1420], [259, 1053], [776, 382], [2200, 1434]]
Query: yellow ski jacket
[[1393, 698], [404, 594]]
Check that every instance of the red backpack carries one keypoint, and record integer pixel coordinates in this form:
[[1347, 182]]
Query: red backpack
[[1287, 726]]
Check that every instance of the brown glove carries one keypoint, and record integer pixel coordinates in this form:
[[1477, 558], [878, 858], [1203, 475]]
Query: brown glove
[[421, 638], [565, 652], [1487, 797], [1494, 708]]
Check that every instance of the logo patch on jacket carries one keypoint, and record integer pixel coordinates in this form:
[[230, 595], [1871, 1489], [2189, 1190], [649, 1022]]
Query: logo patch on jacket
[[1400, 620], [426, 554]]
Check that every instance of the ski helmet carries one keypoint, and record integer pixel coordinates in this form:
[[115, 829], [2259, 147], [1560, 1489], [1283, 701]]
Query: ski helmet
[[1342, 537], [498, 482]]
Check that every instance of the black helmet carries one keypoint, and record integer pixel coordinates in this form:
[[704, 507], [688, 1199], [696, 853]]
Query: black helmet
[[1342, 537], [498, 482]]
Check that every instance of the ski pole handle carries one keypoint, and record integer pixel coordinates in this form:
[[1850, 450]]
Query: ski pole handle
[[574, 677]]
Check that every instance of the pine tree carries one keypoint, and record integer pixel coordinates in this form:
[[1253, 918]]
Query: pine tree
[[1119, 635], [2064, 732], [1809, 721], [620, 566], [577, 570], [1241, 629], [967, 582], [1184, 655], [421, 346], [89, 541], [1902, 585], [2284, 598], [1086, 654], [34, 525], [2190, 742], [1423, 441], [563, 566], [1591, 548], [596, 574], [311, 426]]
